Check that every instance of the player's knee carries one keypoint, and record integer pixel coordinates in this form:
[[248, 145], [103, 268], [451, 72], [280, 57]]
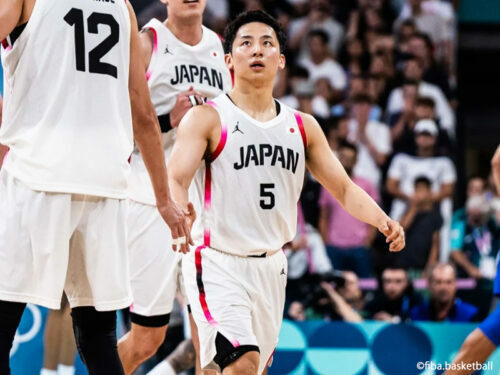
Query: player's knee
[[247, 364]]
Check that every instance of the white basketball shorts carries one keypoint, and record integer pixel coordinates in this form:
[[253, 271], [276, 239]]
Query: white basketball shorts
[[50, 242], [154, 266], [241, 298]]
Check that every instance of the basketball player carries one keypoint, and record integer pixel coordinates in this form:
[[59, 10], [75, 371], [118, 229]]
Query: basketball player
[[483, 341], [184, 63], [72, 68], [256, 150]]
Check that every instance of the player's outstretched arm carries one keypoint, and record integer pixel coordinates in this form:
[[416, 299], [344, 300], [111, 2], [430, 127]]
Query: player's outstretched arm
[[326, 168], [197, 135], [10, 15], [147, 135], [495, 169]]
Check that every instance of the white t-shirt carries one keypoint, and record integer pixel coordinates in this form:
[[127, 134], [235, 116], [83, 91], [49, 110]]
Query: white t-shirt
[[406, 168], [329, 69], [380, 136], [443, 110]]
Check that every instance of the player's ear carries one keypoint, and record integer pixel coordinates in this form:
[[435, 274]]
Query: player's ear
[[228, 59], [282, 62]]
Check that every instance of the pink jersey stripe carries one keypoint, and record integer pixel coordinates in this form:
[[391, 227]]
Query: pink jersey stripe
[[301, 128], [155, 38], [223, 135]]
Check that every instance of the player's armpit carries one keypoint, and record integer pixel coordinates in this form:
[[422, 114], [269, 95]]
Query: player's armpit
[[10, 15]]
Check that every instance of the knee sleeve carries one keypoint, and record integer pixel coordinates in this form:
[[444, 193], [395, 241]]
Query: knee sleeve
[[95, 334], [10, 316], [227, 353]]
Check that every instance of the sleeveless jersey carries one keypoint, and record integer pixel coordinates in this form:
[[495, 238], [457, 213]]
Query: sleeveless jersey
[[67, 117], [174, 67], [252, 182]]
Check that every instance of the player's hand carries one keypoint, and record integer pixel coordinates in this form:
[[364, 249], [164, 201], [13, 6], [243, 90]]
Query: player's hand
[[182, 105], [394, 233], [191, 215], [177, 220]]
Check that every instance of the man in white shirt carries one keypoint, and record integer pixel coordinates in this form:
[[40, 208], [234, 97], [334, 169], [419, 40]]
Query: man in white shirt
[[414, 71], [320, 65], [372, 138], [404, 169]]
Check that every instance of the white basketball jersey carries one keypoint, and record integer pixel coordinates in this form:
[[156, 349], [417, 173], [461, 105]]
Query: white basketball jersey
[[252, 182], [67, 117], [174, 67]]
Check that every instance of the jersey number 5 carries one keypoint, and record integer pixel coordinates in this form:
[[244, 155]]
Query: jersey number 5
[[75, 18], [267, 194]]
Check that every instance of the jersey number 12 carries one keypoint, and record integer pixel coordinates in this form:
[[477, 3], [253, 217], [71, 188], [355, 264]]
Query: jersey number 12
[[75, 18]]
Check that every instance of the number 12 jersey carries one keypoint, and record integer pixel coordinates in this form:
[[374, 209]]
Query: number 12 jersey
[[67, 117], [250, 186]]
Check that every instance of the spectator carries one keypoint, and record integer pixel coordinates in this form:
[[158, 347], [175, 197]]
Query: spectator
[[404, 169], [355, 59], [372, 138], [395, 298], [320, 65], [286, 84], [308, 102], [420, 45], [348, 239], [422, 222], [475, 241], [319, 17], [413, 70], [429, 23], [476, 185], [403, 123], [443, 304], [336, 130]]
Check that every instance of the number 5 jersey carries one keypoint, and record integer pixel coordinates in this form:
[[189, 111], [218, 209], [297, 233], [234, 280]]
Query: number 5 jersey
[[251, 184], [67, 117]]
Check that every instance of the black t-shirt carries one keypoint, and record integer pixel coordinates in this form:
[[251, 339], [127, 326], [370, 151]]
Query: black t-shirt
[[399, 307], [419, 239]]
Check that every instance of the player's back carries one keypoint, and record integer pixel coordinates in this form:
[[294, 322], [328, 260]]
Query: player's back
[[67, 117]]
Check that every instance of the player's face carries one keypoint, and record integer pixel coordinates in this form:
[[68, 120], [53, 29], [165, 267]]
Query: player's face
[[256, 53], [185, 8], [475, 187]]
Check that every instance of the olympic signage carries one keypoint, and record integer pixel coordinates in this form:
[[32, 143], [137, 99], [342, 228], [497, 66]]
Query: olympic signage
[[314, 348]]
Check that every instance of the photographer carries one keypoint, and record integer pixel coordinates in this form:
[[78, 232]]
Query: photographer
[[335, 296]]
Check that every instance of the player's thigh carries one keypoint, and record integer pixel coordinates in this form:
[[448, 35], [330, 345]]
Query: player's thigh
[[98, 273], [34, 234], [154, 267]]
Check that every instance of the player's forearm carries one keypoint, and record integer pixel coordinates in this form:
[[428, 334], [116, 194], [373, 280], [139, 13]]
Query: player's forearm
[[360, 205], [180, 192], [148, 139]]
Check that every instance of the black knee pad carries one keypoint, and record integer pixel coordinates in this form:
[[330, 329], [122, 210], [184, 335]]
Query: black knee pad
[[10, 317], [227, 353], [150, 321], [95, 334]]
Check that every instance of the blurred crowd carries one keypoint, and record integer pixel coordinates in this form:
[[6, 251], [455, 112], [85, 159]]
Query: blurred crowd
[[380, 77]]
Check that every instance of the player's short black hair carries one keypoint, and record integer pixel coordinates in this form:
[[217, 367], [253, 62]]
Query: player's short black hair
[[249, 17], [422, 180]]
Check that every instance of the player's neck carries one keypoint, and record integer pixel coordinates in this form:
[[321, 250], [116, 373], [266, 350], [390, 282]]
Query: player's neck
[[257, 102], [187, 32]]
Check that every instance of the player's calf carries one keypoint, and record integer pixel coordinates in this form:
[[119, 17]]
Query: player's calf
[[95, 334], [10, 316], [247, 364], [240, 360], [140, 344]]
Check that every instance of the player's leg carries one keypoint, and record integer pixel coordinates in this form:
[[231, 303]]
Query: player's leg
[[67, 350], [10, 317], [97, 282], [480, 344], [140, 344], [182, 359], [247, 364], [33, 242], [95, 334], [51, 342]]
